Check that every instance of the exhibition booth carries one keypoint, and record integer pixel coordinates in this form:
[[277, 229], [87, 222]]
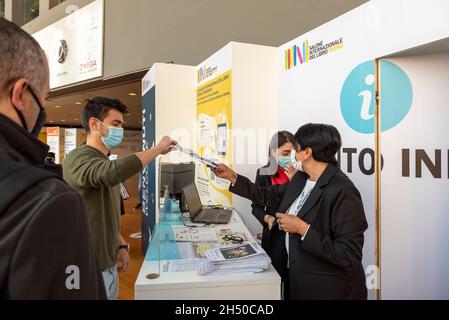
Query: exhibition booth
[[378, 74]]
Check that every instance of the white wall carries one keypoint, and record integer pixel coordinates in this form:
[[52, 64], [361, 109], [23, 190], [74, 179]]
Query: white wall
[[312, 92], [255, 107], [175, 109], [415, 219], [175, 104]]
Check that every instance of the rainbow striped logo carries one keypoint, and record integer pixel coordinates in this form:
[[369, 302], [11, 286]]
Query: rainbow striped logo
[[297, 55], [201, 74], [206, 72]]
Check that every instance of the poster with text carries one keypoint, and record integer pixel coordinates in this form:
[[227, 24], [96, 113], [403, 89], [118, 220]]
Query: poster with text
[[214, 124]]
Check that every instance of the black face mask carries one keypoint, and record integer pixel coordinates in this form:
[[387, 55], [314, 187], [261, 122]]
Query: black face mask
[[41, 118]]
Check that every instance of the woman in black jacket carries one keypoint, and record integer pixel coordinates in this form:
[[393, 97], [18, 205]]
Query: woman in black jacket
[[278, 171], [322, 212]]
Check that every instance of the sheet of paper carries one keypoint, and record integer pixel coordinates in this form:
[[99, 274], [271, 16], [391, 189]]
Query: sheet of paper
[[186, 250], [204, 234], [181, 265], [200, 248], [181, 233], [235, 218], [195, 156]]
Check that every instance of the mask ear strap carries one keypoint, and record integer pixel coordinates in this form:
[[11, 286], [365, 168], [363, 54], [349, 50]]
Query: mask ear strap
[[19, 113], [98, 130], [309, 156], [22, 118]]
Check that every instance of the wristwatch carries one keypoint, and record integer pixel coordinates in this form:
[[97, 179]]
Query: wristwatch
[[125, 246]]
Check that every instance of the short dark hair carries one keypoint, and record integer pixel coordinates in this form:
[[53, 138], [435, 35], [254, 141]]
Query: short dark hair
[[99, 108], [20, 57], [323, 139]]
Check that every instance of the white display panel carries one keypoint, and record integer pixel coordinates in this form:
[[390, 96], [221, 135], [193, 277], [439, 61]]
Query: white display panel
[[415, 184], [74, 46], [333, 82]]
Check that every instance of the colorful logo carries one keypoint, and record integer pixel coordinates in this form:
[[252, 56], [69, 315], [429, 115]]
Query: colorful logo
[[201, 74], [357, 99], [297, 55], [206, 72]]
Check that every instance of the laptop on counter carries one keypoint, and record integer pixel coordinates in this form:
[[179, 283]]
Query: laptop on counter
[[203, 214]]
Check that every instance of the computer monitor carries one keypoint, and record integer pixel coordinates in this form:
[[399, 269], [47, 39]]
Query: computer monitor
[[175, 176]]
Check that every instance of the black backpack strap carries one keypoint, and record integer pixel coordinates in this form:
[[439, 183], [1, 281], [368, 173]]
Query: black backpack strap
[[16, 178]]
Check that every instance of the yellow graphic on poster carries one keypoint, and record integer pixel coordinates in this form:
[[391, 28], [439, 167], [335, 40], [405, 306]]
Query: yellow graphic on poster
[[214, 117]]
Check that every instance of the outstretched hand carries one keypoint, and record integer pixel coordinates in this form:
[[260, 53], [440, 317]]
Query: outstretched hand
[[224, 172], [166, 145]]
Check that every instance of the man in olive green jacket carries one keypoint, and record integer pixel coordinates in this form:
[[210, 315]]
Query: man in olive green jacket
[[89, 171]]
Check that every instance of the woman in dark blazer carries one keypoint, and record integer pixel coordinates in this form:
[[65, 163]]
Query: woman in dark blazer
[[322, 212], [278, 171]]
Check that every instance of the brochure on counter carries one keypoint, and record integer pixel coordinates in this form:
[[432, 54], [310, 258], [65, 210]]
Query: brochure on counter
[[243, 258]]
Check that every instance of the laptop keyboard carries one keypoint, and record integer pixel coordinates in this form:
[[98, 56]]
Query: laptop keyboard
[[209, 215]]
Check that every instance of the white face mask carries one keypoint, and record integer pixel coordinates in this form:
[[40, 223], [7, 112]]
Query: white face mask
[[295, 163]]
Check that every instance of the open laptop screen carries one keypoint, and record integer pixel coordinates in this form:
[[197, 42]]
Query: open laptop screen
[[193, 199]]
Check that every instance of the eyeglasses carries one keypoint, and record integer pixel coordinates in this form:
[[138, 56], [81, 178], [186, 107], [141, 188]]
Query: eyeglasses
[[230, 237]]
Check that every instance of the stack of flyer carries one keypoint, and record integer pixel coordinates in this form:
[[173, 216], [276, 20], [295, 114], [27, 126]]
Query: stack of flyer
[[242, 258]]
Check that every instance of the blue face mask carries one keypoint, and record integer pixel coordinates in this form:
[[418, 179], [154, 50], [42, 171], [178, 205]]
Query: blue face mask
[[284, 161], [114, 137]]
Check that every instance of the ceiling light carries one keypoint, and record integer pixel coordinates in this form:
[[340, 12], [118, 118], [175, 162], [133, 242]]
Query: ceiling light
[[132, 94], [58, 107], [77, 102]]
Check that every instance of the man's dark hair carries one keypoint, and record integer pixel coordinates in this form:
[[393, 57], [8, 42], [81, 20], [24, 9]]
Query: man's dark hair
[[20, 57], [99, 108], [323, 139]]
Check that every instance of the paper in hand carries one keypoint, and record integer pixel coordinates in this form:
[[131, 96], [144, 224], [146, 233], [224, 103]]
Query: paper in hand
[[210, 163]]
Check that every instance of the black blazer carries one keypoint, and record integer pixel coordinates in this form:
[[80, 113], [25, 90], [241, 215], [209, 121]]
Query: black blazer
[[328, 263], [273, 242]]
